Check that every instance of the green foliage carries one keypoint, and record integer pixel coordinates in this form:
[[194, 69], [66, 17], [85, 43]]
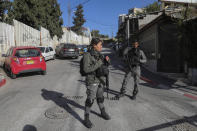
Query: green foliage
[[4, 6], [95, 33], [104, 36], [36, 13], [152, 7], [78, 20]]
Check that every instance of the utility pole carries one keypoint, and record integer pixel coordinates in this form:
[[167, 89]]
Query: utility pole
[[112, 33], [40, 37], [69, 15], [128, 30]]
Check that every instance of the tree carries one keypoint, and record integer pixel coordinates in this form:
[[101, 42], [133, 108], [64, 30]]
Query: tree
[[78, 20], [152, 7], [4, 6], [52, 19], [36, 13], [104, 36], [95, 33], [24, 11]]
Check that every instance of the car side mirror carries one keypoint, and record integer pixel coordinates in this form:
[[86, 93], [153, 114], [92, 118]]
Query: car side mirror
[[4, 55]]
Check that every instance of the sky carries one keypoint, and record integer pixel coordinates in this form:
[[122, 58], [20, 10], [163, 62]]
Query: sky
[[101, 15]]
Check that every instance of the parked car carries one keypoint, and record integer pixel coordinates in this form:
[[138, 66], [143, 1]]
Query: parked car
[[47, 52], [67, 50], [83, 50], [24, 59], [80, 48]]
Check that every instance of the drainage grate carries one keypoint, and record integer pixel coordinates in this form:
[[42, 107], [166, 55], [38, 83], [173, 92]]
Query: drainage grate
[[56, 113], [184, 127]]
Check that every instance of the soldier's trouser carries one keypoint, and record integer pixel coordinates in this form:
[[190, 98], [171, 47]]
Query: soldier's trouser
[[135, 75], [94, 91]]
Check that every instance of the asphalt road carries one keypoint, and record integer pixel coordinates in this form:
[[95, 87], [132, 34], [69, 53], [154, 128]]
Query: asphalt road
[[55, 102]]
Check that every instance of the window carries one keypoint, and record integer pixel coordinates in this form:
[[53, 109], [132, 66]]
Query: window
[[42, 49], [70, 46], [27, 53], [47, 50], [51, 49]]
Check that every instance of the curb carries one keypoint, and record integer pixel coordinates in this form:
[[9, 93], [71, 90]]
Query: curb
[[148, 80], [2, 81], [190, 96], [175, 90]]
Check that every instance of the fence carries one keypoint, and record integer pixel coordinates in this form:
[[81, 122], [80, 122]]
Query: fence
[[6, 37], [26, 35], [71, 37]]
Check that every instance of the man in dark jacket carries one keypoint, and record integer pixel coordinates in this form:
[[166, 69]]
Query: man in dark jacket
[[92, 61], [134, 58]]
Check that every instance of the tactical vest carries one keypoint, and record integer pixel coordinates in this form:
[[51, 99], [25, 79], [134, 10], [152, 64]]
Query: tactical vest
[[134, 57]]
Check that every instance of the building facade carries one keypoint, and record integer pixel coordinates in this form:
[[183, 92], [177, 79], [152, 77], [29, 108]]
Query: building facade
[[160, 42]]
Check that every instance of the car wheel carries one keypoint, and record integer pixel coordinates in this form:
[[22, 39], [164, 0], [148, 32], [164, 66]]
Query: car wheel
[[4, 68], [44, 72], [12, 75]]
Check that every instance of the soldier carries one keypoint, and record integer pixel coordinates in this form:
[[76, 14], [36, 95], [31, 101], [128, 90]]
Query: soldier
[[135, 57], [92, 61]]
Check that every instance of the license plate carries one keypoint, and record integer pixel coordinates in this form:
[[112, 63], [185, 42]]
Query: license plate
[[71, 50], [30, 62]]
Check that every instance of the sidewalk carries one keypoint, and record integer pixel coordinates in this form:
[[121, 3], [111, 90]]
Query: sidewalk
[[177, 84]]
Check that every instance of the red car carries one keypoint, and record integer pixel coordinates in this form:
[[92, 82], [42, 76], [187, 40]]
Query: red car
[[24, 59]]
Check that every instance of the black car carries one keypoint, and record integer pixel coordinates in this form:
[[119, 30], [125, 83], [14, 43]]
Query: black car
[[67, 50]]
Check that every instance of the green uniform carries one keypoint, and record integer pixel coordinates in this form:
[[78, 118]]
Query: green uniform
[[135, 58], [92, 61]]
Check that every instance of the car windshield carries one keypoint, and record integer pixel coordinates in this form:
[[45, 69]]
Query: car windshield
[[70, 46], [42, 49], [80, 46], [27, 53]]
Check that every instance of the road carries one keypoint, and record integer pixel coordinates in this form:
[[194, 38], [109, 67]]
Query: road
[[55, 102]]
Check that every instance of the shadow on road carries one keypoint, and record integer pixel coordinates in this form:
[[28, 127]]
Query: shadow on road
[[190, 120], [64, 103], [115, 93], [29, 128], [20, 75]]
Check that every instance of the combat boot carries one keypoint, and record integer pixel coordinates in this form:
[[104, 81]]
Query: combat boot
[[87, 121], [134, 94], [133, 97], [104, 114]]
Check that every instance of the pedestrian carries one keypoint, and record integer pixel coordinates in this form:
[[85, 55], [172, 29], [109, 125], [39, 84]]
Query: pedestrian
[[134, 58], [92, 61]]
